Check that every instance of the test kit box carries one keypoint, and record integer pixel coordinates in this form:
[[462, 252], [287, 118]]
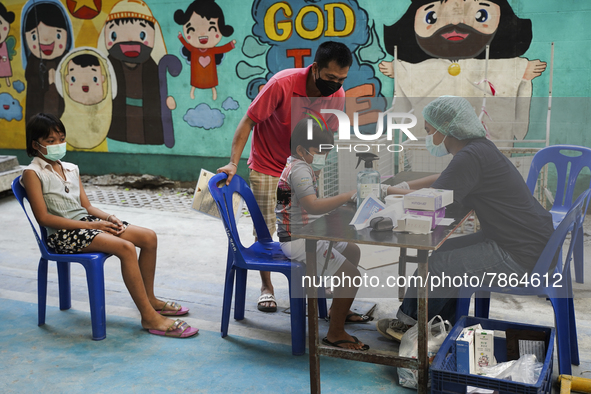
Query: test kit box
[[465, 352], [484, 348], [415, 224], [428, 199], [435, 216], [465, 349]]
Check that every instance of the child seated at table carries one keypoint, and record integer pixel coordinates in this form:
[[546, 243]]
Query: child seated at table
[[73, 225], [297, 205]]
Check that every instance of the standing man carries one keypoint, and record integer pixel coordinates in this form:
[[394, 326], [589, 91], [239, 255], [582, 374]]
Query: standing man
[[270, 114]]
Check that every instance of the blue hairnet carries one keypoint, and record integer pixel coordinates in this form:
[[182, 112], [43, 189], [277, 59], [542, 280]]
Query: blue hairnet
[[451, 115]]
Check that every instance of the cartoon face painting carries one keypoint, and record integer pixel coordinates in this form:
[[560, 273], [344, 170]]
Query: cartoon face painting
[[456, 28], [4, 28], [202, 32], [7, 43], [203, 28], [130, 40], [440, 48], [46, 37], [10, 108], [85, 80], [47, 42]]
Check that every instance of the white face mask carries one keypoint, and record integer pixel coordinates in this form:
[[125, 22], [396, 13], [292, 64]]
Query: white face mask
[[318, 161], [54, 152], [436, 150]]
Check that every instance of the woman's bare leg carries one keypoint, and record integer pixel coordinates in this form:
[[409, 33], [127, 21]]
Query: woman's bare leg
[[132, 277]]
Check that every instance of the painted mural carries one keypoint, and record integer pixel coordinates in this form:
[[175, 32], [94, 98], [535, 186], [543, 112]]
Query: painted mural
[[441, 49], [164, 77], [87, 83], [203, 28]]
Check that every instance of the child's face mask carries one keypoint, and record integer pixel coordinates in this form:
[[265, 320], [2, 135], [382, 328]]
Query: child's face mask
[[318, 161]]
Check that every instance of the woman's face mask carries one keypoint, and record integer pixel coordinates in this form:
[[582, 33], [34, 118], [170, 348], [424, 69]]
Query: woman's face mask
[[436, 150], [54, 152]]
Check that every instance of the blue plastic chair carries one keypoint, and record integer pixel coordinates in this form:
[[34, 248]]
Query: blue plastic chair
[[560, 297], [568, 169], [93, 263], [263, 255]]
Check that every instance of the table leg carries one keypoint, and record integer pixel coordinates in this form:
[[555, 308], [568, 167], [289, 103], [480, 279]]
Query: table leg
[[422, 321], [402, 272], [312, 318]]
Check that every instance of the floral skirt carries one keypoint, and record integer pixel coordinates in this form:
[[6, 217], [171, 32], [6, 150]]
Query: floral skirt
[[73, 241]]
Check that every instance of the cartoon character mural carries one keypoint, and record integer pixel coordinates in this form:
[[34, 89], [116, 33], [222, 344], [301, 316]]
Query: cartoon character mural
[[141, 111], [46, 35], [203, 27], [441, 49], [88, 86], [294, 30], [7, 43]]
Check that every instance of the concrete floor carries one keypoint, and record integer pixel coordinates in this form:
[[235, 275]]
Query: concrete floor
[[255, 358]]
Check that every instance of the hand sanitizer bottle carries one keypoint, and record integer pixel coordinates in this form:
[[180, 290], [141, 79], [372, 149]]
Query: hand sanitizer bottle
[[368, 180]]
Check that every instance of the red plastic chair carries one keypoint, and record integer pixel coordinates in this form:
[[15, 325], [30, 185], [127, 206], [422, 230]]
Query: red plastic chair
[[93, 263]]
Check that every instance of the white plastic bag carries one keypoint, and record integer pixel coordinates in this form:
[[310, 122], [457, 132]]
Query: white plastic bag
[[437, 331], [525, 370]]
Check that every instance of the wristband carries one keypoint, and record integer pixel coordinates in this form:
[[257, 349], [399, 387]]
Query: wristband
[[234, 164], [107, 219]]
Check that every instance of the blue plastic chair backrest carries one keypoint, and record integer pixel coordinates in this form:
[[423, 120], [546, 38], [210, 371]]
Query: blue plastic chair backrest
[[571, 223], [223, 196], [566, 177], [21, 195]]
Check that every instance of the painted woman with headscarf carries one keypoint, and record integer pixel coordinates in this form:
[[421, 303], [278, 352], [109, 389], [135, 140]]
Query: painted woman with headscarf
[[86, 81], [514, 226], [46, 36]]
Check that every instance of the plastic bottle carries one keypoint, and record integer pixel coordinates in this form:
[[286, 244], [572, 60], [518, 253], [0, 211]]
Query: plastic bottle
[[368, 180]]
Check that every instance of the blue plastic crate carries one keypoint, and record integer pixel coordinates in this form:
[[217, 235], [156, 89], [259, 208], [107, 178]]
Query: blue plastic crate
[[446, 379]]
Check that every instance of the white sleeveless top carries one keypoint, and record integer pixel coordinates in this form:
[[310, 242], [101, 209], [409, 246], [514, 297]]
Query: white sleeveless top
[[58, 201]]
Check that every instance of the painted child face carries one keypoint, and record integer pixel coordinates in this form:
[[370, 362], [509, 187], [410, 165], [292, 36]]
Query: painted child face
[[4, 29], [47, 42], [85, 84], [130, 41], [456, 28], [201, 32]]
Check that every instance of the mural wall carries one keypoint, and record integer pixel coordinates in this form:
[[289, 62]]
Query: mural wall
[[173, 78]]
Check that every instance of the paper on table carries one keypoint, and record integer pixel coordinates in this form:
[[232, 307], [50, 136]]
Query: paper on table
[[368, 207], [445, 222], [394, 212]]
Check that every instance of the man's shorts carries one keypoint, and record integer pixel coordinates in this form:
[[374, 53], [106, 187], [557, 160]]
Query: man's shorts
[[296, 250], [264, 188]]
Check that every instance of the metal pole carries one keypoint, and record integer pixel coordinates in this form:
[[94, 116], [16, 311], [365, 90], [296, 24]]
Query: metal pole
[[485, 83], [550, 96]]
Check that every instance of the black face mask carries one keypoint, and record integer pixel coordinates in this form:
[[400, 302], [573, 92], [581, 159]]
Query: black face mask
[[327, 87]]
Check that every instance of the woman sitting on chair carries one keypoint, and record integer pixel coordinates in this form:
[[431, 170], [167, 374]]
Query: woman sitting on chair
[[515, 227], [73, 225]]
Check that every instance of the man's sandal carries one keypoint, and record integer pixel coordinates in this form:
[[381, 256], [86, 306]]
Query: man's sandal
[[178, 329], [179, 310], [266, 298], [337, 343]]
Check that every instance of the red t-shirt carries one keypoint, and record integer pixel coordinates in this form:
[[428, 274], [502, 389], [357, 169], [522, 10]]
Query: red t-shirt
[[272, 112]]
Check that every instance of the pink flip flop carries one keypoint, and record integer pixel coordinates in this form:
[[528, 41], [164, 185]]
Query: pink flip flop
[[178, 312], [178, 329]]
